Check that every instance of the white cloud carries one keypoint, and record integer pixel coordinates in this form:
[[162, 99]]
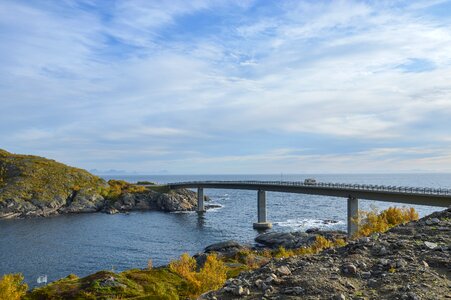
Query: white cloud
[[314, 69]]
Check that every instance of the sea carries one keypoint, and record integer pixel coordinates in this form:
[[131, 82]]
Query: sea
[[82, 244]]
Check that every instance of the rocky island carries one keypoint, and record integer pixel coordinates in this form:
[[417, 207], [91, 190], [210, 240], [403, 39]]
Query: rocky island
[[32, 186]]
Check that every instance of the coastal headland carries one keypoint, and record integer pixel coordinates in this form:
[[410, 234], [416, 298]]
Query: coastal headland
[[33, 186]]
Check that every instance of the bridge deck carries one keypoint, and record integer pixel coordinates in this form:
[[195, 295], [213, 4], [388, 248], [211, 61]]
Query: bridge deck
[[411, 195]]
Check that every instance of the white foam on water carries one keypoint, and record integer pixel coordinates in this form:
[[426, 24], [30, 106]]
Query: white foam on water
[[183, 212], [221, 206], [310, 223]]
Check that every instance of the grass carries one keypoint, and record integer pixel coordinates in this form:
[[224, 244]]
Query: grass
[[159, 188], [27, 177]]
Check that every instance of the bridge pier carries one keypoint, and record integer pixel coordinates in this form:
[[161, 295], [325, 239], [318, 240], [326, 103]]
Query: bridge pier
[[353, 215], [200, 200], [261, 211]]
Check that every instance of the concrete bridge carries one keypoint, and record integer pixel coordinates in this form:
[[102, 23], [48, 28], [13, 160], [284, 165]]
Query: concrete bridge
[[353, 192]]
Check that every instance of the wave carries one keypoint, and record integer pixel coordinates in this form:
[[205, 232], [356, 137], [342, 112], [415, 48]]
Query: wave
[[311, 223], [211, 207]]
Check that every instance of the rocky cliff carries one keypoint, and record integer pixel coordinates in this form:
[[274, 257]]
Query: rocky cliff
[[409, 262], [36, 186]]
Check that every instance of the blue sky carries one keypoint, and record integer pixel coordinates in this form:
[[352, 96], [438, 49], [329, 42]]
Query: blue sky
[[214, 87]]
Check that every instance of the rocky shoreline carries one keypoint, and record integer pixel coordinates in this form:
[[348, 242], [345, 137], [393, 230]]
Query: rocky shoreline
[[411, 261], [408, 262], [178, 200], [33, 186]]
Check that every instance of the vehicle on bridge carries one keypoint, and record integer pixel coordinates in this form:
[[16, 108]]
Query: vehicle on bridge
[[310, 181]]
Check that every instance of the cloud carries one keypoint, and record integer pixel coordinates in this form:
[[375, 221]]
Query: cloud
[[193, 80]]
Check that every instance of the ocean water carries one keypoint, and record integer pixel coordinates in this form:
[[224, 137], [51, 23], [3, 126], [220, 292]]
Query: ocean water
[[85, 243]]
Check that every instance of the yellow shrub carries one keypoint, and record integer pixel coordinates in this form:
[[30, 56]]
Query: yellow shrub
[[373, 221], [282, 252], [12, 287], [211, 276], [266, 253], [117, 187], [318, 245], [185, 267]]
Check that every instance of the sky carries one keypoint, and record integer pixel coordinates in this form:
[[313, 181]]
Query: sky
[[228, 87]]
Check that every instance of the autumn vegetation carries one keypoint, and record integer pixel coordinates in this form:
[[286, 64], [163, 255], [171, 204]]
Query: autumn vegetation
[[12, 287], [377, 222]]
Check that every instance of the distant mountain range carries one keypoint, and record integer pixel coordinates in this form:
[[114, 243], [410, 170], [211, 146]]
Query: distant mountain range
[[123, 172]]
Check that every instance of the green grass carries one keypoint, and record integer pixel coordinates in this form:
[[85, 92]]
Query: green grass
[[28, 177], [157, 283], [159, 188]]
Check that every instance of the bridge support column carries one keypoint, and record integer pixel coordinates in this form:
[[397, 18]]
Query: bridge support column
[[200, 200], [261, 211], [353, 215]]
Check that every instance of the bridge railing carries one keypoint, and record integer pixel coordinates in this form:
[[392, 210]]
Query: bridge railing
[[344, 186]]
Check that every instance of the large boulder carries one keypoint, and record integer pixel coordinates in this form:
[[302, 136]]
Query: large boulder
[[178, 200]]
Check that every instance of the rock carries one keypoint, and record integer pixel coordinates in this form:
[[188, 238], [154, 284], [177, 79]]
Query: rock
[[296, 239], [340, 297], [258, 283], [349, 268], [349, 285], [330, 222], [283, 271], [111, 211], [271, 278], [364, 240], [430, 245], [238, 291], [111, 282], [379, 250], [293, 291], [432, 221], [200, 258], [227, 248], [212, 205], [410, 296], [372, 282]]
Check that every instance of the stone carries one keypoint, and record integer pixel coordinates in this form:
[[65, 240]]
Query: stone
[[372, 282], [349, 285], [111, 211], [258, 283], [271, 278], [228, 248], [410, 296], [364, 240], [430, 245], [293, 291], [340, 297], [349, 268], [240, 291], [433, 221], [283, 271]]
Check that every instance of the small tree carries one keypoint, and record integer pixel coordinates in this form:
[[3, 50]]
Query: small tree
[[12, 287]]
